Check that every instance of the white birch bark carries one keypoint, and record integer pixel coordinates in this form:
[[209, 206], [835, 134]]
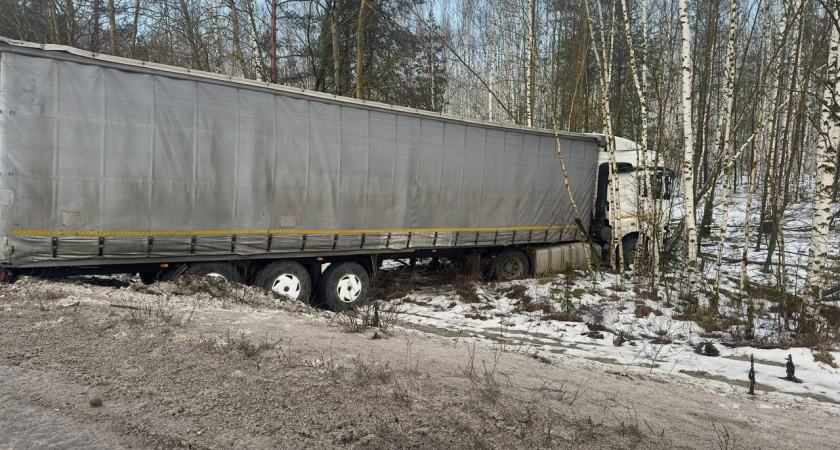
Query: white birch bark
[[256, 53], [529, 69], [726, 141], [645, 218], [826, 158], [603, 57], [688, 145]]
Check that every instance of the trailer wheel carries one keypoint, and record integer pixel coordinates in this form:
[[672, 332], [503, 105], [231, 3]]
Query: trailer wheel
[[225, 271], [511, 265], [629, 250], [344, 286], [149, 277], [288, 278]]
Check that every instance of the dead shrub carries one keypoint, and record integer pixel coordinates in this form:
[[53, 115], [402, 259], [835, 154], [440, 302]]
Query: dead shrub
[[466, 291], [709, 322], [243, 344], [516, 292], [391, 284], [215, 287], [663, 337], [158, 312], [356, 320], [643, 310], [49, 295], [529, 305], [381, 315], [563, 316], [486, 379], [370, 371], [252, 349], [596, 314], [822, 355], [240, 344]]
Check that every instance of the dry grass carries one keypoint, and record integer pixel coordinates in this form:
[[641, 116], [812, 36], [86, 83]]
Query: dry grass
[[709, 322], [486, 378], [529, 305], [516, 292], [563, 316], [465, 288], [160, 312], [822, 355], [381, 315], [370, 371], [49, 296], [643, 310]]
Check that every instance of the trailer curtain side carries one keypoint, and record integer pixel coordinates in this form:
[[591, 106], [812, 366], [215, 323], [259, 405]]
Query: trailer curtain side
[[103, 162]]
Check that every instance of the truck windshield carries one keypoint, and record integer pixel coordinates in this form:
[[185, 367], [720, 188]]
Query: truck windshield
[[662, 180]]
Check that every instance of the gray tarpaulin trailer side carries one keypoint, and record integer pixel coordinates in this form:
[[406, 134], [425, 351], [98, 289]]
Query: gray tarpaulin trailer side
[[106, 160]]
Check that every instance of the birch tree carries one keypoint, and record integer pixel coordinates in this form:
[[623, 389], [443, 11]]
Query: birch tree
[[602, 43], [529, 68], [725, 147], [647, 218], [826, 160], [688, 148]]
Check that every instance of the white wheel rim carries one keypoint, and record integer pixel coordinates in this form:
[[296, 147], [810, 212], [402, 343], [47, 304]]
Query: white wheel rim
[[288, 285], [216, 275], [349, 288]]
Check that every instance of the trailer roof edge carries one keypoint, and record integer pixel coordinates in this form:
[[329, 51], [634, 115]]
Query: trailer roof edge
[[31, 48]]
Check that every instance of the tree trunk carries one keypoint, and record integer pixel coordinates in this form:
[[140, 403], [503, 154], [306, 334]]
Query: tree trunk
[[529, 68], [603, 57], [256, 52], [336, 51], [725, 149], [55, 36], [688, 146], [237, 46], [826, 159], [134, 25], [94, 42], [648, 220], [70, 21], [274, 41], [112, 24], [360, 48]]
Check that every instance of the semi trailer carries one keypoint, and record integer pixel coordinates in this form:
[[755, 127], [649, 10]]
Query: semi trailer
[[111, 165]]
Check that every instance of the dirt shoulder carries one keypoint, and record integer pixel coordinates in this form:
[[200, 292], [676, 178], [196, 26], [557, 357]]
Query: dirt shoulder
[[178, 368]]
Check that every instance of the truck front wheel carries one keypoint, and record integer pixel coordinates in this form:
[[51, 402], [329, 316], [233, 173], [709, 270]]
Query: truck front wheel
[[222, 270], [287, 278], [344, 286], [511, 265]]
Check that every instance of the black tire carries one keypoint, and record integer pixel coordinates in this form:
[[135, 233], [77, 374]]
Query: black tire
[[511, 265], [220, 269], [628, 247], [172, 272], [344, 286], [287, 278], [149, 277]]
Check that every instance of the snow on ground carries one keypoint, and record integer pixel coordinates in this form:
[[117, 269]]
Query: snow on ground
[[654, 344], [797, 222], [655, 341]]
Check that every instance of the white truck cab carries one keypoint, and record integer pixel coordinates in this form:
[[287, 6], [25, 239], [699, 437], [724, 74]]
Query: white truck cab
[[625, 218]]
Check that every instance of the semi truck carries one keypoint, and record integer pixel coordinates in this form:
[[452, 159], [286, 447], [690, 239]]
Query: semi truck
[[112, 165]]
